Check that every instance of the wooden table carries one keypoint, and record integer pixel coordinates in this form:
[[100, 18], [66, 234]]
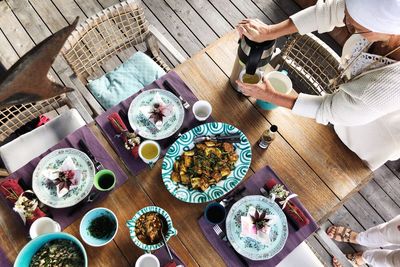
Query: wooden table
[[309, 157]]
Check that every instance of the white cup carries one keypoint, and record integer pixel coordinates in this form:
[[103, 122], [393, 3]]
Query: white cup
[[257, 76], [143, 155], [42, 226], [202, 110], [147, 260]]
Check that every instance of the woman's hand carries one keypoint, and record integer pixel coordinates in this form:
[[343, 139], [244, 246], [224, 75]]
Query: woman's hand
[[255, 30], [265, 91]]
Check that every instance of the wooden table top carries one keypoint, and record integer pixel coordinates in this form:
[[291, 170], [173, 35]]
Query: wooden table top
[[307, 156]]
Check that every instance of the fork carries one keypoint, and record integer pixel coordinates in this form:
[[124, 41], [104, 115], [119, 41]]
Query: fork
[[218, 231], [171, 88]]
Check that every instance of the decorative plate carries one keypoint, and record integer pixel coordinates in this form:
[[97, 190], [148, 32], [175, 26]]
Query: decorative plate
[[46, 191], [145, 127], [185, 143], [132, 224], [249, 247]]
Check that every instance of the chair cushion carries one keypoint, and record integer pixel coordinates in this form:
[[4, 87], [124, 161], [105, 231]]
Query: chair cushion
[[134, 74], [20, 151]]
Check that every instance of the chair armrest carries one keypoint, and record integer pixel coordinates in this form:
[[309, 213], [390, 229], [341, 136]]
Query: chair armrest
[[94, 105], [76, 103], [166, 44]]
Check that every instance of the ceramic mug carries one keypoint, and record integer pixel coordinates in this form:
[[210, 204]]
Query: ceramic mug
[[104, 180], [281, 83], [43, 225], [147, 260], [149, 152], [202, 110]]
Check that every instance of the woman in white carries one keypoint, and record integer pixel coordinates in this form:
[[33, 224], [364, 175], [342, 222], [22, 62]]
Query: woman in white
[[365, 110], [383, 235]]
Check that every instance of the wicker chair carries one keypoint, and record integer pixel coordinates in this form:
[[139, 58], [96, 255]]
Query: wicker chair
[[116, 29], [310, 63]]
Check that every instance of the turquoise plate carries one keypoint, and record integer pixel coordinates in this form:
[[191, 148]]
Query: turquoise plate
[[132, 224], [46, 191], [185, 143], [144, 126], [249, 247]]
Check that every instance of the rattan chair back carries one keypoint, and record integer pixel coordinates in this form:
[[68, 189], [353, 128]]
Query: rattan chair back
[[310, 63], [104, 35]]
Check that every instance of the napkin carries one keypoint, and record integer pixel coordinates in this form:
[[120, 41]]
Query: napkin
[[157, 112], [66, 178], [292, 211], [248, 228]]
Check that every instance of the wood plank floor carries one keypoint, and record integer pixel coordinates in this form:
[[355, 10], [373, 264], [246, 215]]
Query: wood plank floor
[[190, 25]]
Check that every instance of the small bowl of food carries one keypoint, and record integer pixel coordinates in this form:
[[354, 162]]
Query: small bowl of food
[[145, 228], [98, 227], [56, 249]]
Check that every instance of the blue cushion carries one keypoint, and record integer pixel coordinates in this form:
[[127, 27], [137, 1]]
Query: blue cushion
[[134, 74]]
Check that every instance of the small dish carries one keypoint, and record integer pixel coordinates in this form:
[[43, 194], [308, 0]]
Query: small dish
[[132, 224], [88, 219]]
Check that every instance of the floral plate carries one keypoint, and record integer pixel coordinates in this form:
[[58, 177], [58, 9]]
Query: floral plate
[[132, 224], [144, 126], [46, 191], [185, 143], [249, 247]]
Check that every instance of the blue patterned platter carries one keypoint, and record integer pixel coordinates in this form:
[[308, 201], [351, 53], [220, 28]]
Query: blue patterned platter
[[132, 224], [46, 191], [185, 143], [249, 247], [144, 126]]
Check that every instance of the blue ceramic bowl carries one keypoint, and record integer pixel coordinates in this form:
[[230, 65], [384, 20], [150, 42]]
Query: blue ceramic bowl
[[85, 223], [132, 224], [25, 255]]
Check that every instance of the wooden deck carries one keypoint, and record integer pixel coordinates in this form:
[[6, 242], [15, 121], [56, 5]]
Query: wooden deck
[[190, 25]]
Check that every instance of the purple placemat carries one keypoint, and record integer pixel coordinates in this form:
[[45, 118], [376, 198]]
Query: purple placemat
[[253, 185], [137, 165], [61, 215], [4, 261], [163, 257]]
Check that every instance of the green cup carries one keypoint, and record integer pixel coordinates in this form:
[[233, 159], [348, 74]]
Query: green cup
[[104, 180]]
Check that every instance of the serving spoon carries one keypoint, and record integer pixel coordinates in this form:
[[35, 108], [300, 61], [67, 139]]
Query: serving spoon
[[171, 262]]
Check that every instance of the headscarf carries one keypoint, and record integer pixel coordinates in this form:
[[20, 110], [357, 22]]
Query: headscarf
[[381, 16]]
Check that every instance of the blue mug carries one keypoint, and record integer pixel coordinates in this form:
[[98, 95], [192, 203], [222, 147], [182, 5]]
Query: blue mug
[[215, 213], [286, 88]]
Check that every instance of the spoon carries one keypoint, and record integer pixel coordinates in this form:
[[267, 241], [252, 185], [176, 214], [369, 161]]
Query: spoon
[[171, 263]]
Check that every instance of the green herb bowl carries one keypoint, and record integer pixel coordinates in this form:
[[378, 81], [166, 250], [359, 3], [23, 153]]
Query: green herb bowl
[[86, 221], [25, 255]]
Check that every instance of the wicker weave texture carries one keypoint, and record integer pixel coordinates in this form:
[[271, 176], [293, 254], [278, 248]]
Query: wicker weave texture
[[103, 35], [310, 62], [14, 117]]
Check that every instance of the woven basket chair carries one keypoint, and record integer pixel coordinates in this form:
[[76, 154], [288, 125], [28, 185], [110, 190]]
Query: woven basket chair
[[310, 63], [115, 29]]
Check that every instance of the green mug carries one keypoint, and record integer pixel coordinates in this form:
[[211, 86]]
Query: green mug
[[104, 180]]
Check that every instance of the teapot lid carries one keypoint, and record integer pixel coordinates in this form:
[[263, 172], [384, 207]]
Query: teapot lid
[[266, 44]]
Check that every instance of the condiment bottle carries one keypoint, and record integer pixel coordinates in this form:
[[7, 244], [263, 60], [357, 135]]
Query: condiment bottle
[[267, 137]]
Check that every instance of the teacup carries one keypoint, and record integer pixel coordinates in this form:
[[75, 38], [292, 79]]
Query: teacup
[[147, 260], [202, 110], [104, 180], [149, 152], [250, 78], [42, 226], [215, 213], [281, 83]]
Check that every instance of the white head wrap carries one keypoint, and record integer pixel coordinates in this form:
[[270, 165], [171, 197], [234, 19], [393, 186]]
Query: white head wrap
[[381, 16]]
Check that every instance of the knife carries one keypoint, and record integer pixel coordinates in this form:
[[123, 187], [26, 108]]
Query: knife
[[231, 197], [90, 198], [227, 138], [97, 165], [171, 88]]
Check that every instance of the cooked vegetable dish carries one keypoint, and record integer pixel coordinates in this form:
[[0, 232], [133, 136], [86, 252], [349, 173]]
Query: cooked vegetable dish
[[205, 165], [58, 253], [148, 227]]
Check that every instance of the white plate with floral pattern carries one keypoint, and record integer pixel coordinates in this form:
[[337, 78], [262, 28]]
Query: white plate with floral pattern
[[46, 190], [247, 246], [144, 126]]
